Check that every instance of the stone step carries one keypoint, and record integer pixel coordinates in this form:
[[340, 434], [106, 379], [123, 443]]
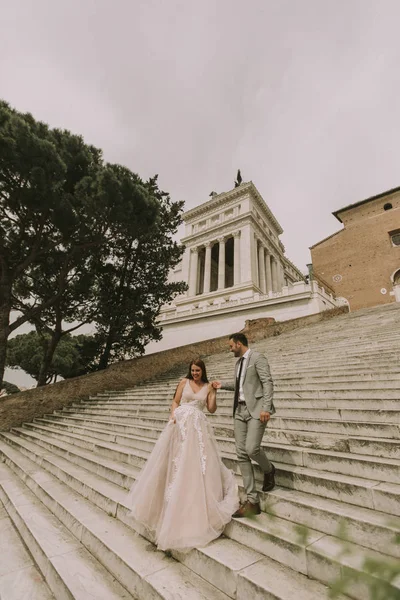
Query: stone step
[[225, 404], [271, 534], [357, 491], [267, 579], [321, 377], [223, 563], [111, 426], [308, 427], [328, 385], [357, 381], [304, 350], [225, 397], [358, 465], [334, 441], [223, 424], [118, 452], [320, 352], [380, 447], [270, 580], [377, 394], [290, 379], [311, 345], [121, 474], [366, 527], [330, 368], [148, 416], [328, 334], [374, 392], [276, 433], [339, 446], [318, 359], [377, 416], [105, 493], [125, 555], [367, 404], [118, 418], [367, 493], [324, 334], [19, 576], [359, 335], [332, 560], [289, 542], [70, 569], [283, 369], [337, 463], [348, 428], [141, 438], [284, 372], [109, 495]]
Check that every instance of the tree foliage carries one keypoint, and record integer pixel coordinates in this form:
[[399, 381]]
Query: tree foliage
[[133, 284], [73, 356], [9, 388], [70, 226]]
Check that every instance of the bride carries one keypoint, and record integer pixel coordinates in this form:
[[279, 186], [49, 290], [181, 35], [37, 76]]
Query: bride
[[185, 495]]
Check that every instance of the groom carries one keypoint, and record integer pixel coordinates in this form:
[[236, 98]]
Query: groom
[[252, 409]]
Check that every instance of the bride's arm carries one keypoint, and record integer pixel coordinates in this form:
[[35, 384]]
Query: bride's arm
[[177, 399], [211, 399]]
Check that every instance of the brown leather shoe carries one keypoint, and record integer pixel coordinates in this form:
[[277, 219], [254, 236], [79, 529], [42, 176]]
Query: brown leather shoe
[[269, 481], [247, 510], [239, 511]]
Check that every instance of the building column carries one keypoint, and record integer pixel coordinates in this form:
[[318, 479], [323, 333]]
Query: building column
[[282, 274], [194, 262], [261, 264], [268, 272], [236, 258], [246, 255], [274, 269], [207, 269], [256, 266], [221, 264]]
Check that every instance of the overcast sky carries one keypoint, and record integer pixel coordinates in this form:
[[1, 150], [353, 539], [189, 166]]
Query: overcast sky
[[302, 95]]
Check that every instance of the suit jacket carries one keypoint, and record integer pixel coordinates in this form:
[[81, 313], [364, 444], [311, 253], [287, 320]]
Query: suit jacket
[[258, 387]]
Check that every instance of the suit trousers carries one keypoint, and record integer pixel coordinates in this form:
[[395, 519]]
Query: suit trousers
[[248, 436]]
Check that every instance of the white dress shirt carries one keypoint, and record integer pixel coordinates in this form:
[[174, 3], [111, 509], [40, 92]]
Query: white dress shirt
[[244, 367]]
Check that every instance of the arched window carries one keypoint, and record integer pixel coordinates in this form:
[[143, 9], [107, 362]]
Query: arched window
[[387, 206], [396, 278], [395, 237]]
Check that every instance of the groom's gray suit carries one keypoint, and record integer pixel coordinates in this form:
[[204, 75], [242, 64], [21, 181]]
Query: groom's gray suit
[[255, 396]]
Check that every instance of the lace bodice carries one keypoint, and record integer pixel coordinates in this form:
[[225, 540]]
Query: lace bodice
[[197, 399]]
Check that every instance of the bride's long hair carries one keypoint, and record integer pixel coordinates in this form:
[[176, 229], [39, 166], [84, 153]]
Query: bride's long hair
[[199, 363]]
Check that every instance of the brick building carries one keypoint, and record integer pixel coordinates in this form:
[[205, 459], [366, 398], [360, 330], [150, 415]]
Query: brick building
[[361, 262]]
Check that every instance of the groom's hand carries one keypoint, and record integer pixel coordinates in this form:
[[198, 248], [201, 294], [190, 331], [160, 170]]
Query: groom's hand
[[265, 416], [216, 385]]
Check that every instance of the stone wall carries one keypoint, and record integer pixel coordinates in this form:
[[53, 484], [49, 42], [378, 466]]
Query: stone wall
[[359, 260], [196, 324], [25, 406]]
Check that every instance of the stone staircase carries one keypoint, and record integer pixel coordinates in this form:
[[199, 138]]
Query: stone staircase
[[65, 526]]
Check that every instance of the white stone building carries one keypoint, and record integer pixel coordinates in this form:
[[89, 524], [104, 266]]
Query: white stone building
[[236, 269]]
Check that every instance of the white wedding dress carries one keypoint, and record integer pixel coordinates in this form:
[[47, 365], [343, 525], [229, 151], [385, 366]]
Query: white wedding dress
[[185, 495]]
